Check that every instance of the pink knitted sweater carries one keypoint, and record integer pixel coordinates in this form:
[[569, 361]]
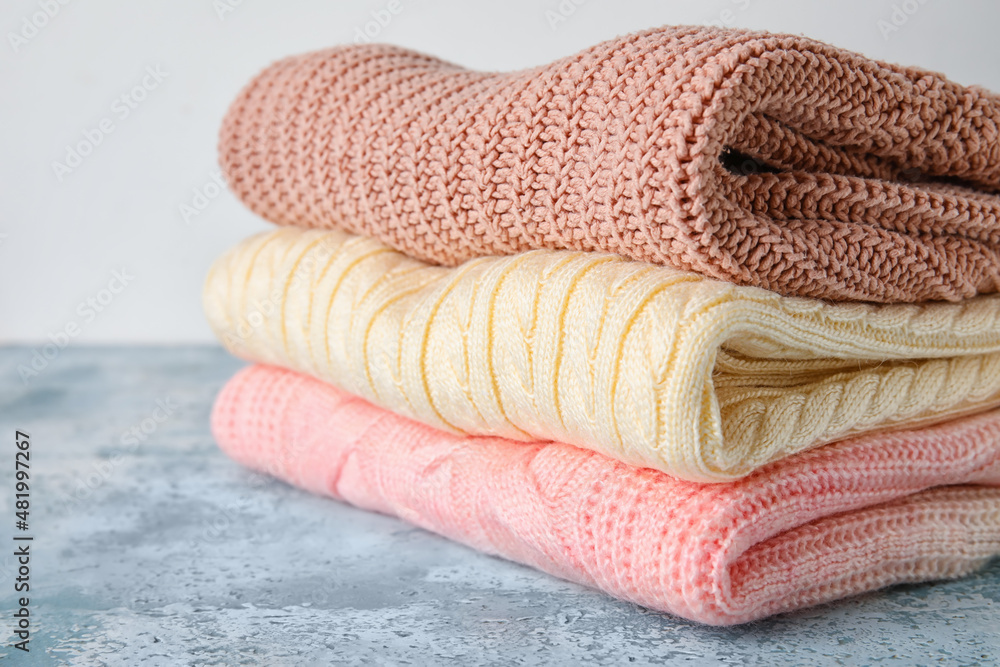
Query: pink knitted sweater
[[765, 160], [825, 524]]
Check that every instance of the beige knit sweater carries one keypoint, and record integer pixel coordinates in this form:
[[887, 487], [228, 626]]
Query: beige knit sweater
[[699, 378]]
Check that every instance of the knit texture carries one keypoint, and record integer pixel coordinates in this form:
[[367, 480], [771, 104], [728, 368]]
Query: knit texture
[[652, 366], [833, 522], [765, 160]]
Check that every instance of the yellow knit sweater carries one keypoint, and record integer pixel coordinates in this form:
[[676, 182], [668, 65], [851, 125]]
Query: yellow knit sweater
[[699, 378]]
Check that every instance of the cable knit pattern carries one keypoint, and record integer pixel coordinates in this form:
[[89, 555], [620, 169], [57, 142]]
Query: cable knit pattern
[[656, 367], [764, 160], [826, 524]]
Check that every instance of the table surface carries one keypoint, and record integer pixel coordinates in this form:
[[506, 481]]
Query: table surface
[[166, 552]]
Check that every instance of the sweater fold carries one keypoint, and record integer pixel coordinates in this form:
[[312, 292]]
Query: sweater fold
[[833, 522], [653, 366], [766, 160]]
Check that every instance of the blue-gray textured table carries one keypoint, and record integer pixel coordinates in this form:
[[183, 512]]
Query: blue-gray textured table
[[152, 547]]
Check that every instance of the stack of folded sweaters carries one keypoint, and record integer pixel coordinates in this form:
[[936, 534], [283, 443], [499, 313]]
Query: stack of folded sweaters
[[706, 319]]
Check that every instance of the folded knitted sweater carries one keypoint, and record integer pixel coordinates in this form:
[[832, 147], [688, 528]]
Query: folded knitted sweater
[[656, 367], [826, 524], [765, 160]]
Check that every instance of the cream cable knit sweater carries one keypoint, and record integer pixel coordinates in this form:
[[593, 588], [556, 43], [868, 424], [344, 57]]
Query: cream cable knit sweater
[[701, 379]]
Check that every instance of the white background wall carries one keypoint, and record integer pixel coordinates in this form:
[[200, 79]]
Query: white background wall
[[61, 240]]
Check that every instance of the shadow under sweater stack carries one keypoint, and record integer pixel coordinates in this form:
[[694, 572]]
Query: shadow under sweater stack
[[706, 319]]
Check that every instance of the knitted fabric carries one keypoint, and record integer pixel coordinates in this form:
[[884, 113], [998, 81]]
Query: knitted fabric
[[652, 366], [764, 160], [826, 524]]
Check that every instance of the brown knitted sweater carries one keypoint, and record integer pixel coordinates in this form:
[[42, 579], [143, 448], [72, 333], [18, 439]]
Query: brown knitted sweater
[[765, 160]]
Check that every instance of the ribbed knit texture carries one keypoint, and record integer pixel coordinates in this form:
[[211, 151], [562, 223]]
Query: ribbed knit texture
[[656, 367], [772, 161], [826, 524]]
